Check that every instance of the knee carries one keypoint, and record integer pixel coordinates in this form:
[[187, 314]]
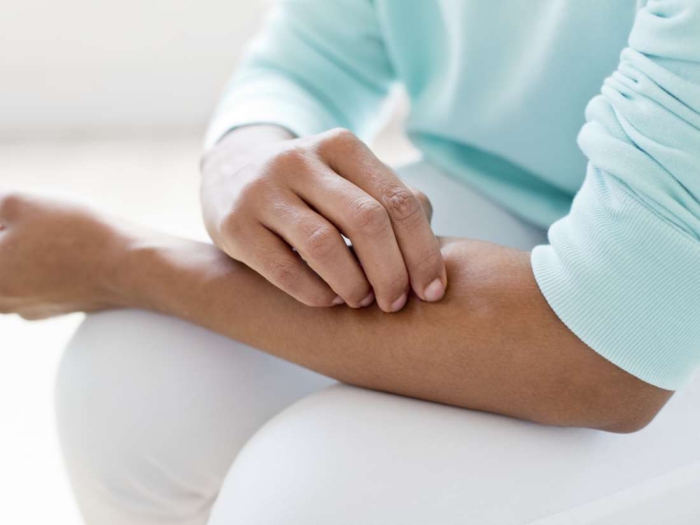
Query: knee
[[128, 426], [94, 403], [347, 455], [112, 383]]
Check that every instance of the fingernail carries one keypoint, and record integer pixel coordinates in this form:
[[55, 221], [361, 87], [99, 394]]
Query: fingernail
[[338, 301], [399, 303], [367, 300], [434, 291]]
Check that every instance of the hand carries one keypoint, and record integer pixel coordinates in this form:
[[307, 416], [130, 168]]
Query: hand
[[264, 193], [55, 258]]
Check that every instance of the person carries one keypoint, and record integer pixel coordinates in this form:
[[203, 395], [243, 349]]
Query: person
[[403, 354]]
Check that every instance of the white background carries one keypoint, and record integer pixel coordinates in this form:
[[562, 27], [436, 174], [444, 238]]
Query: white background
[[71, 65]]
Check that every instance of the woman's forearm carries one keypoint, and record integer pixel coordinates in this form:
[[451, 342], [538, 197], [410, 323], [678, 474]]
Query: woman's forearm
[[492, 344]]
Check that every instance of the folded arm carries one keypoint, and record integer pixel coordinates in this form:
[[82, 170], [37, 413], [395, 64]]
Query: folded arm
[[492, 344]]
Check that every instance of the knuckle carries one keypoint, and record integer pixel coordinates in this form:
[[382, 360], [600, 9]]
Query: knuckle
[[402, 204], [370, 217], [284, 167], [429, 261], [339, 139], [319, 242], [340, 136], [294, 158], [284, 274]]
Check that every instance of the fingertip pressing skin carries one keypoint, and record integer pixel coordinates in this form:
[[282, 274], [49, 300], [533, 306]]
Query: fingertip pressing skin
[[322, 247], [434, 291], [367, 300], [338, 187], [407, 210], [366, 222], [399, 303], [287, 271]]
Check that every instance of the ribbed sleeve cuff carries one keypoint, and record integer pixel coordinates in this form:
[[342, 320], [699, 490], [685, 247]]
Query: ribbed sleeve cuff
[[268, 99], [626, 282]]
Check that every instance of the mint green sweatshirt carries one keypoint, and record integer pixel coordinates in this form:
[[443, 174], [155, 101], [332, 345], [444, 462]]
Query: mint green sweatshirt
[[507, 97]]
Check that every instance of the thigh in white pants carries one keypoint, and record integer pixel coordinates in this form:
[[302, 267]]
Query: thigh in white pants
[[164, 422]]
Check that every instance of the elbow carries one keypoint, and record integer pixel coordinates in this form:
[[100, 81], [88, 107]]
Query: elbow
[[606, 420], [627, 409], [628, 424], [625, 405]]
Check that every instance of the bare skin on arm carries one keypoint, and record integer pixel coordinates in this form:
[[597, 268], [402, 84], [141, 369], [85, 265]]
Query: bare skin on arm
[[491, 344]]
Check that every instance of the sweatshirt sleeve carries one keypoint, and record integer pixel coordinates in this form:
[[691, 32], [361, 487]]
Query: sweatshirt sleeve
[[622, 270], [316, 65]]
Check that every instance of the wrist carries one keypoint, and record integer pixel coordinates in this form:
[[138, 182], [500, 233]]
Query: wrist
[[227, 164], [163, 273], [102, 267], [240, 141], [137, 282], [130, 262]]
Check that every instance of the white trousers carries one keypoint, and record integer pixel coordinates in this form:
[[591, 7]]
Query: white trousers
[[162, 422]]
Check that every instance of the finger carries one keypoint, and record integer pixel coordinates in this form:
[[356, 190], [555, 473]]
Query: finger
[[321, 245], [274, 259], [424, 202], [367, 224], [354, 161]]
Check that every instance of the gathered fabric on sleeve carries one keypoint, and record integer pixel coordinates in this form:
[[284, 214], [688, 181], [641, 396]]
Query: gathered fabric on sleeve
[[622, 269]]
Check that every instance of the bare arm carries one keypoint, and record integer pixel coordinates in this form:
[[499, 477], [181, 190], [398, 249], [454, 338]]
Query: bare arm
[[492, 344]]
